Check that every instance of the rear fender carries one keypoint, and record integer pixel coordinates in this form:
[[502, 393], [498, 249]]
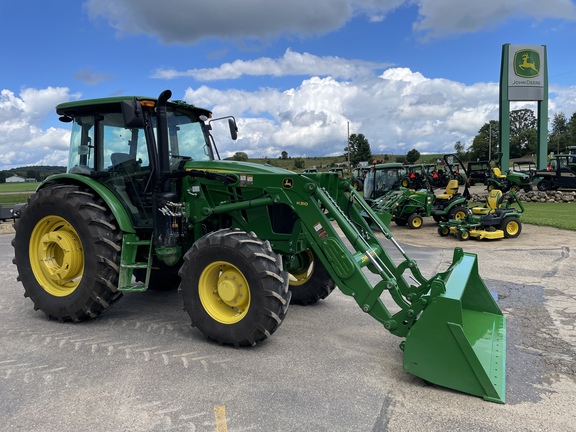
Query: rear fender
[[119, 212]]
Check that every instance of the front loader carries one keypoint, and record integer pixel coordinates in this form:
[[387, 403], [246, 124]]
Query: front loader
[[146, 204]]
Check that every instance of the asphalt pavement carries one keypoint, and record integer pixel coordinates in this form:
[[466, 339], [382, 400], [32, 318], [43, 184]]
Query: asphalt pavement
[[329, 367]]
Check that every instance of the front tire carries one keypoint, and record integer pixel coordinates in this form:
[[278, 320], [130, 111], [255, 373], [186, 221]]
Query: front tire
[[463, 234], [233, 287], [67, 251], [415, 221], [443, 231]]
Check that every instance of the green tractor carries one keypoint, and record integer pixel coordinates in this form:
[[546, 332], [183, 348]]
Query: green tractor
[[359, 177], [147, 204], [490, 221], [510, 181], [404, 207], [410, 207], [382, 178]]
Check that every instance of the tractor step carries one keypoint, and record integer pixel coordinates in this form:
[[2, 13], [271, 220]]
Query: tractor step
[[128, 263]]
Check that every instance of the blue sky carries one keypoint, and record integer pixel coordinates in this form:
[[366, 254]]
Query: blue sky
[[406, 74]]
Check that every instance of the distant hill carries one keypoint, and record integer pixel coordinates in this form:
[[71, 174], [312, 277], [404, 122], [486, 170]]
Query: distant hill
[[38, 172]]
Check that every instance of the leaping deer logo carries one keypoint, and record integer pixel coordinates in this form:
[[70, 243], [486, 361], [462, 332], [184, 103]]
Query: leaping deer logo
[[527, 63]]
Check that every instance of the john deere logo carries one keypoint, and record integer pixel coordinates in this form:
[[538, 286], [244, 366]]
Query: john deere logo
[[527, 63], [287, 183]]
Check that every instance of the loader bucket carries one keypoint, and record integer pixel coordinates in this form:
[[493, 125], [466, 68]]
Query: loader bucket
[[459, 341], [385, 217]]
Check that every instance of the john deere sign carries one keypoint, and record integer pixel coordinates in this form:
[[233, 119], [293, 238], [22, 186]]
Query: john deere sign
[[525, 74], [523, 77]]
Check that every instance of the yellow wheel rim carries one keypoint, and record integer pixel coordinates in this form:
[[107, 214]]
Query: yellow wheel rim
[[305, 273], [224, 292], [417, 222], [56, 256], [459, 215], [512, 228]]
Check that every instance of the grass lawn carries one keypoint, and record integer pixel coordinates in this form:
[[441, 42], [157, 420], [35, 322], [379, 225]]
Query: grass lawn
[[18, 187], [16, 193], [557, 215]]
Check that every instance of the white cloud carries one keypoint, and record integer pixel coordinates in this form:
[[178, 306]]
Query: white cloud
[[396, 111], [291, 63], [22, 139]]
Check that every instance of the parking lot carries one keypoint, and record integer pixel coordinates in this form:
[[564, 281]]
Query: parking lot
[[329, 367]]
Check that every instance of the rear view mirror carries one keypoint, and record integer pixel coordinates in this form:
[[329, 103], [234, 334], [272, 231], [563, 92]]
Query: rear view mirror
[[133, 115], [233, 128]]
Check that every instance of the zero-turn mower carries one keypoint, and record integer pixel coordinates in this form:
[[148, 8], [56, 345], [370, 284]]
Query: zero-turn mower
[[490, 221]]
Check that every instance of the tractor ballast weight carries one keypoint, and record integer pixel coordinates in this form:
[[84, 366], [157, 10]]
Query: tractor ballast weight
[[245, 240]]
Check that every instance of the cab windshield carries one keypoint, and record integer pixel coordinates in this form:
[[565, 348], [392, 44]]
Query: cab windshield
[[380, 181], [102, 141]]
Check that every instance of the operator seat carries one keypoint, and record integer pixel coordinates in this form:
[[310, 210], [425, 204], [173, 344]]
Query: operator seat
[[120, 158], [497, 173], [451, 190], [493, 203]]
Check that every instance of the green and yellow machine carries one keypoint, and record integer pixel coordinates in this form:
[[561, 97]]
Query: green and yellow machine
[[495, 220], [146, 204]]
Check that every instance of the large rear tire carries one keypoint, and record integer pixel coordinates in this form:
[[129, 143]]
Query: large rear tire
[[458, 213], [233, 287], [311, 281], [67, 252]]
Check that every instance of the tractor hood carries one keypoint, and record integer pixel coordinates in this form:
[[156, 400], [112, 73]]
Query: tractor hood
[[234, 167]]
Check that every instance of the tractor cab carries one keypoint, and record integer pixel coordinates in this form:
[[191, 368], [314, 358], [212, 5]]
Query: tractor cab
[[117, 146], [381, 178]]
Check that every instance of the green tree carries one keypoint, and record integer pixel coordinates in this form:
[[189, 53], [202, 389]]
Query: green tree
[[523, 134], [572, 129], [284, 155], [299, 163], [460, 150], [488, 134], [561, 136], [240, 156], [412, 156], [33, 174], [359, 148]]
